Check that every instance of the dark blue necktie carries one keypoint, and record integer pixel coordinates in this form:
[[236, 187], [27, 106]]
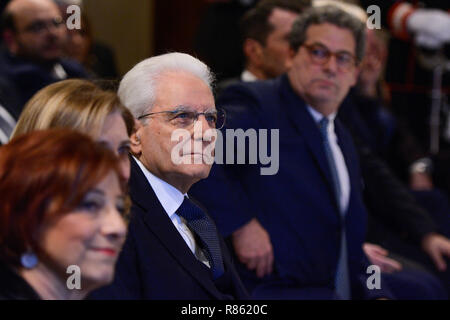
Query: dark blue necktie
[[342, 274], [206, 232]]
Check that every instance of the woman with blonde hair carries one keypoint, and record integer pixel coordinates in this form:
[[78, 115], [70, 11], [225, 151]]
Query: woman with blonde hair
[[83, 106]]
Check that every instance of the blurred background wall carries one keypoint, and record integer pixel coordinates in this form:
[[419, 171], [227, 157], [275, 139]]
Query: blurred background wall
[[127, 26], [137, 29]]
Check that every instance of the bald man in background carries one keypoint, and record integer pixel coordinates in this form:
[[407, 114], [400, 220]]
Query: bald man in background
[[34, 35]]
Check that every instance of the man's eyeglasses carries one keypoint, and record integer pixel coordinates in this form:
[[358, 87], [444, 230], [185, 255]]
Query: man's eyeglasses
[[39, 26], [321, 55], [184, 118]]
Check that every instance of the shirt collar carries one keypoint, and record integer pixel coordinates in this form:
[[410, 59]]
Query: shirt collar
[[170, 197], [247, 76], [317, 116]]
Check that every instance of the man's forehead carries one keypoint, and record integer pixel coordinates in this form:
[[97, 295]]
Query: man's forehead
[[332, 36], [181, 88], [31, 10], [174, 79]]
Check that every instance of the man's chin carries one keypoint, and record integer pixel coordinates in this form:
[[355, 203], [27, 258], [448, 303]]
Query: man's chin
[[196, 159], [52, 59], [52, 56], [199, 171], [45, 60]]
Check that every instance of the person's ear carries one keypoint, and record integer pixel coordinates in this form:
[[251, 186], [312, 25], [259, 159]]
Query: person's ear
[[135, 139], [253, 52], [9, 38], [290, 59], [355, 74]]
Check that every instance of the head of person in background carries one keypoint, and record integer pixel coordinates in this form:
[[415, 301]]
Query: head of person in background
[[83, 106], [79, 41], [370, 82], [61, 215], [265, 36], [34, 30], [327, 46], [167, 94], [97, 58]]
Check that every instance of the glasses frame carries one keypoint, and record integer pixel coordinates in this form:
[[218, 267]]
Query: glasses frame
[[197, 114], [309, 48], [38, 27]]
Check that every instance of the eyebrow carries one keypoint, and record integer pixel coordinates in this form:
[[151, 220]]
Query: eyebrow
[[185, 108], [104, 143], [182, 108], [121, 196], [125, 142], [323, 45], [95, 191]]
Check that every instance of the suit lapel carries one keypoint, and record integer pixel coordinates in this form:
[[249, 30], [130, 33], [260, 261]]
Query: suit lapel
[[159, 223], [298, 113]]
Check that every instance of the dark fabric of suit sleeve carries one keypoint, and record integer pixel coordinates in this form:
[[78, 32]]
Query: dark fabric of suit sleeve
[[388, 199], [224, 199], [222, 193], [404, 149], [386, 196], [387, 135]]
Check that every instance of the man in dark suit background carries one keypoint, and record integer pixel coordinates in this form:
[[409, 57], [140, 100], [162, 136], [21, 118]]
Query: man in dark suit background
[[311, 210], [34, 35], [265, 39], [173, 250]]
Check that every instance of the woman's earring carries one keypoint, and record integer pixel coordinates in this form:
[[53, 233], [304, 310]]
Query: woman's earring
[[29, 260]]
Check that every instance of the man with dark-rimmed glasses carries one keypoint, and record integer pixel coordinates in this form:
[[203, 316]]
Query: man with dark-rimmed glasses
[[312, 208], [34, 34]]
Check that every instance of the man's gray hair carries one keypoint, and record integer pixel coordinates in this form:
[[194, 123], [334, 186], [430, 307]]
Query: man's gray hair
[[328, 14], [137, 90]]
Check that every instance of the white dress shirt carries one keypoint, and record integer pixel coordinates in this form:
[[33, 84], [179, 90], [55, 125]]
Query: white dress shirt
[[171, 199], [247, 76], [59, 72], [341, 167], [7, 124]]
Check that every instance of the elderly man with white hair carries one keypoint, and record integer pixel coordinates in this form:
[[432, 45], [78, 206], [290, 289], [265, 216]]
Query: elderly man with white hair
[[173, 249]]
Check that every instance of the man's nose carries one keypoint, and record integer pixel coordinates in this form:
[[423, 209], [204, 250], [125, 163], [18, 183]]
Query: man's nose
[[331, 65], [53, 30], [200, 127], [114, 225]]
